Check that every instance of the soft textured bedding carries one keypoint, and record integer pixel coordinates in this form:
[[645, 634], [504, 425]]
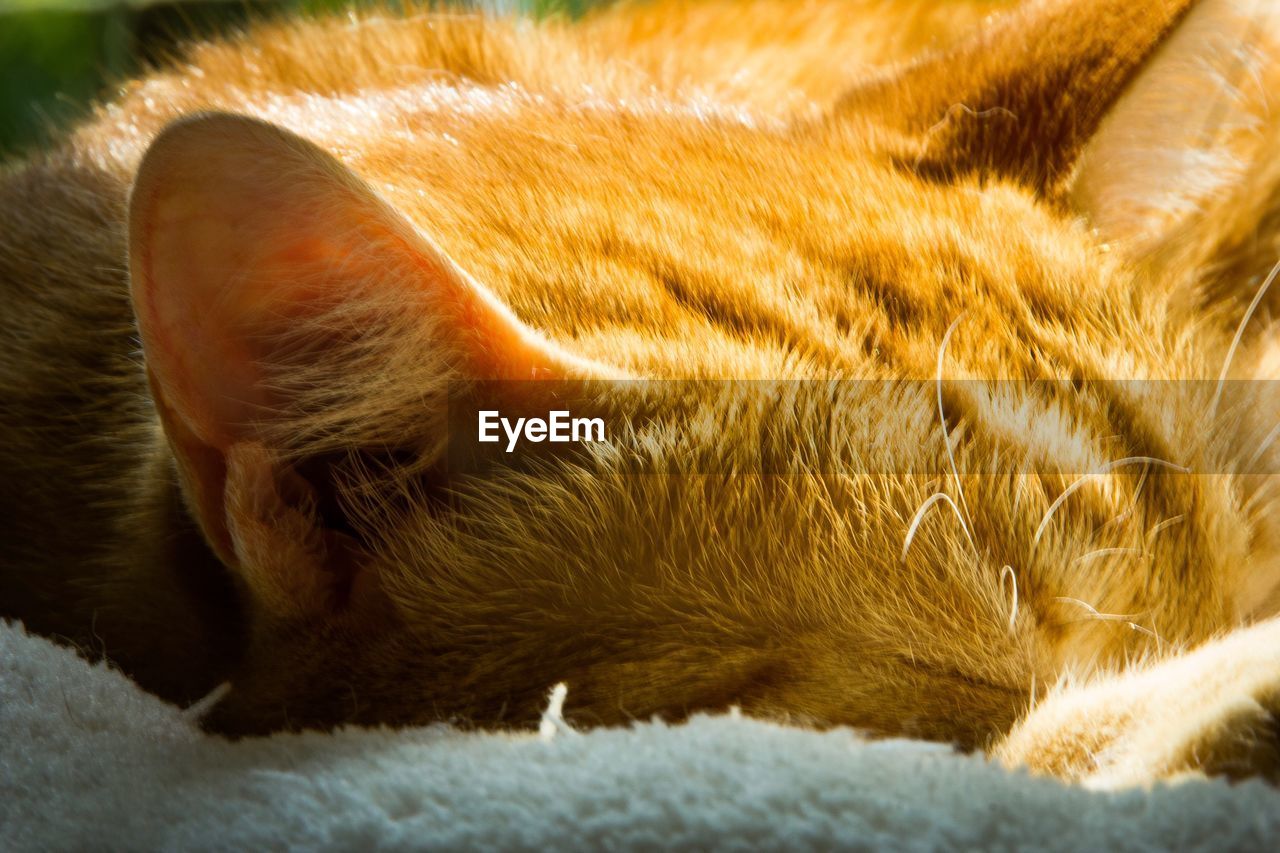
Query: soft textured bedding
[[88, 761]]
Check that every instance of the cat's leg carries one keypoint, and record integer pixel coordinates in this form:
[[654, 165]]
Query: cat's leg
[[1214, 709]]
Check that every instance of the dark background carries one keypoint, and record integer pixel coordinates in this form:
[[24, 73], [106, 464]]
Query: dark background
[[57, 56]]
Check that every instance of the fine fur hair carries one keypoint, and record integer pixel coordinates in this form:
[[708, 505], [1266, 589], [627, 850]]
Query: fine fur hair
[[319, 230]]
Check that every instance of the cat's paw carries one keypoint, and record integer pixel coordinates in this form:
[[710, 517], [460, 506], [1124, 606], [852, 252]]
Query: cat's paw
[[1215, 710]]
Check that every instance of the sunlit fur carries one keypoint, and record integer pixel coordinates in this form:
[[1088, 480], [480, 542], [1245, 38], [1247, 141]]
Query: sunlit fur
[[720, 190]]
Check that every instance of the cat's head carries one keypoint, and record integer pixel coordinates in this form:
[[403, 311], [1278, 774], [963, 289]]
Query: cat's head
[[306, 337]]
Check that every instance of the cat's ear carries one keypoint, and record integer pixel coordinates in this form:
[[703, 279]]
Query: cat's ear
[[1190, 125], [286, 312], [1023, 95]]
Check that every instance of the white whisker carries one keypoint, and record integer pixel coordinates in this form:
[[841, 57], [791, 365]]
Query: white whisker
[[1262, 448], [1235, 342], [1088, 478], [1152, 634], [957, 109], [1007, 571], [1106, 552], [1157, 529], [919, 517], [1133, 504], [1059, 501], [942, 417], [1095, 613]]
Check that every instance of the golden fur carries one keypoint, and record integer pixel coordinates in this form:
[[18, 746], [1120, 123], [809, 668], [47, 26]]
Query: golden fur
[[765, 190]]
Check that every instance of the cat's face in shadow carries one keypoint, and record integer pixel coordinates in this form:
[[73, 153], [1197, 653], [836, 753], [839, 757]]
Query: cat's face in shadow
[[822, 541]]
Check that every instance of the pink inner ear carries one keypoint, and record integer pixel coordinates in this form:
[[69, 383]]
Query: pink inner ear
[[232, 227], [215, 286], [182, 272]]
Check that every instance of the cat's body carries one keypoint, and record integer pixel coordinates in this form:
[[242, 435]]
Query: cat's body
[[705, 192]]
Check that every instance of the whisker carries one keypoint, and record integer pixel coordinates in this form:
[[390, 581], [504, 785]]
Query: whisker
[[197, 710], [1013, 583], [553, 722], [942, 417], [1235, 342], [957, 109], [1088, 478], [1133, 504], [1105, 552], [1262, 448], [1095, 613], [1162, 526], [1125, 618], [1152, 634], [919, 517]]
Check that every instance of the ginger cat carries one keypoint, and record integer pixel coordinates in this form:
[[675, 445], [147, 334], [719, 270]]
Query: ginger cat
[[318, 229]]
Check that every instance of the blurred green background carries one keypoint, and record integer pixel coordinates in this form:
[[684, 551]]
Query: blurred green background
[[57, 56]]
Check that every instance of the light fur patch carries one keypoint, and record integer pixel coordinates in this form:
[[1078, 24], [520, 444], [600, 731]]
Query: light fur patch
[[1188, 126]]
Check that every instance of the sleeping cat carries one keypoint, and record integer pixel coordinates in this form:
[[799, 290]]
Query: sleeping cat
[[322, 233]]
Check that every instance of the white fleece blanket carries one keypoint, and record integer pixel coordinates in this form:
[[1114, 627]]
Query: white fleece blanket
[[88, 761]]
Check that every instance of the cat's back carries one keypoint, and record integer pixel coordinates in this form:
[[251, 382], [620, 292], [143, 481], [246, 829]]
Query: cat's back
[[453, 118]]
